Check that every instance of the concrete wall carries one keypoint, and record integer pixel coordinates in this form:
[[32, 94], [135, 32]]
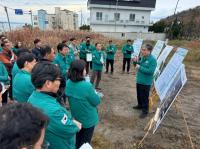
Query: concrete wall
[[145, 36]]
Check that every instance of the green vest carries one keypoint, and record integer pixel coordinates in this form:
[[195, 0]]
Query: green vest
[[110, 52], [127, 50], [63, 62], [61, 130], [3, 74], [83, 102], [146, 71], [22, 86], [84, 49], [96, 60]]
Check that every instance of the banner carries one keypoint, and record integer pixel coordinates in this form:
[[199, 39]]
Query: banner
[[176, 85], [161, 60], [137, 45], [163, 81], [157, 48]]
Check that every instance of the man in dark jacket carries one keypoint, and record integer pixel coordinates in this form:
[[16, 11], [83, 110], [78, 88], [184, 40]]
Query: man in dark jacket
[[37, 50]]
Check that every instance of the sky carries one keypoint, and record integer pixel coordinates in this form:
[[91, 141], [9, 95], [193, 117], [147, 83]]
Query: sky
[[163, 8]]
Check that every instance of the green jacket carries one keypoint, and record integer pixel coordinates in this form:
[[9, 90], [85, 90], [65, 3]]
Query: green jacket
[[22, 86], [96, 60], [63, 62], [84, 50], [3, 74], [110, 52], [127, 50], [61, 130], [146, 71], [83, 102], [14, 50], [15, 70]]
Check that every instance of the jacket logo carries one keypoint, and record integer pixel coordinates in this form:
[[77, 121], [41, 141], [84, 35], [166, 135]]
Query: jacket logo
[[64, 119]]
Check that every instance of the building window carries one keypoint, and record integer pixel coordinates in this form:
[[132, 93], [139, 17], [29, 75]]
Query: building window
[[117, 16], [132, 17], [99, 16]]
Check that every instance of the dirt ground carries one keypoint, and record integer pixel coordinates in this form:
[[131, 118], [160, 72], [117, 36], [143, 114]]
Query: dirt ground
[[121, 128]]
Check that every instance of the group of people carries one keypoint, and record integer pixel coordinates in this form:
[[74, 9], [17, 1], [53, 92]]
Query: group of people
[[39, 81]]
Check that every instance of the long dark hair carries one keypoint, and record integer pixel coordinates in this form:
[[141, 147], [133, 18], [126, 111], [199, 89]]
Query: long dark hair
[[76, 69]]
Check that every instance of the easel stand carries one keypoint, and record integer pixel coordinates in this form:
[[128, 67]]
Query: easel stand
[[151, 123]]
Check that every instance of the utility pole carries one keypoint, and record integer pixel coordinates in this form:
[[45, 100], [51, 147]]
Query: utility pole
[[31, 13], [170, 33], [115, 15], [81, 17], [7, 17]]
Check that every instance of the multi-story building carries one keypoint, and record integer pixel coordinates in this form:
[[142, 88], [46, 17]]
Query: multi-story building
[[120, 15], [62, 19]]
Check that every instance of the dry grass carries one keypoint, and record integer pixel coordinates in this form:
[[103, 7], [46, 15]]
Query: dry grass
[[193, 47], [27, 36]]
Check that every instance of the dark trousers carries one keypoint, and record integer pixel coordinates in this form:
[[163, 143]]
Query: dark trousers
[[88, 65], [84, 136], [109, 63], [5, 97], [143, 97], [96, 75], [128, 62]]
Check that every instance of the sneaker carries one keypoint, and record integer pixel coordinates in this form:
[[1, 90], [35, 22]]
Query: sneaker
[[137, 107]]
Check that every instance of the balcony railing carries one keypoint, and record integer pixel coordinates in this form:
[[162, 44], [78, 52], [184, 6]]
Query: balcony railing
[[120, 22]]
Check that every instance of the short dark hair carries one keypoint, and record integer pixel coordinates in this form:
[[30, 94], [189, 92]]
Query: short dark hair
[[96, 44], [25, 57], [45, 50], [36, 41], [64, 41], [60, 46], [3, 44], [21, 125], [149, 47], [110, 41], [76, 69], [72, 39], [21, 51], [42, 72], [2, 36], [87, 37], [129, 40]]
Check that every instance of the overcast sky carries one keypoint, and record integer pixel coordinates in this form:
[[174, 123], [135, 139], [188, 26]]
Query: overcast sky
[[163, 9]]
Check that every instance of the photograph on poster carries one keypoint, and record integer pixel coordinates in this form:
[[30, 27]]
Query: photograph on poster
[[173, 91]]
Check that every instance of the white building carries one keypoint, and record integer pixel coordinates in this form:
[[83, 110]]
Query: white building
[[120, 15]]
